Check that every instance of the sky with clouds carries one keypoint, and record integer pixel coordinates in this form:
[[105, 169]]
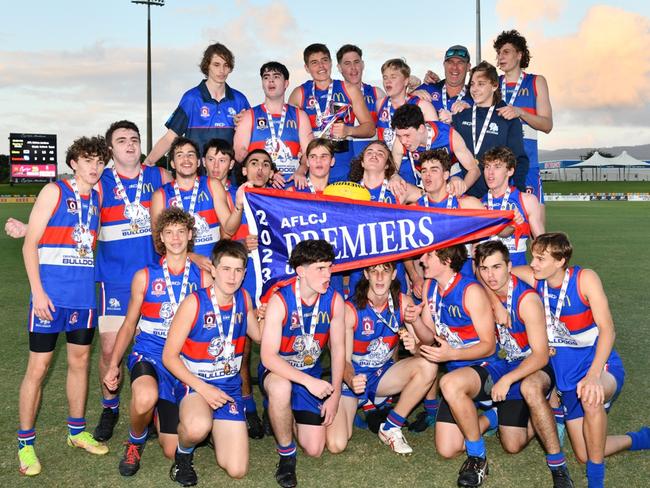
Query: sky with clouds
[[71, 67]]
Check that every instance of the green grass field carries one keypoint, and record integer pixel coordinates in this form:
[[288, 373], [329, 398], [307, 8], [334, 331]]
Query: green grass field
[[611, 237]]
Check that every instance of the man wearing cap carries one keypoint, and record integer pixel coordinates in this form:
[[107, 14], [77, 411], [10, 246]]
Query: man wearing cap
[[448, 96]]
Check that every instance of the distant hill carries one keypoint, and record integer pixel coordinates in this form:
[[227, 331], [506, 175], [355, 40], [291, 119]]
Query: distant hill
[[640, 152]]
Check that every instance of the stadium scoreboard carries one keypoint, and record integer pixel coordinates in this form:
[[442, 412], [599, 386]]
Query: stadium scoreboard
[[32, 157]]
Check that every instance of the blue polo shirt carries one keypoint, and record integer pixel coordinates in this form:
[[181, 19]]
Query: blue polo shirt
[[435, 90], [200, 117]]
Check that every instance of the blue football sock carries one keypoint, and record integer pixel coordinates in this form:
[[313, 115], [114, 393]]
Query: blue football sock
[[76, 425], [112, 403], [285, 451], [138, 439], [184, 450], [26, 438], [394, 420], [556, 461], [475, 448], [640, 439], [431, 407], [493, 417], [595, 475]]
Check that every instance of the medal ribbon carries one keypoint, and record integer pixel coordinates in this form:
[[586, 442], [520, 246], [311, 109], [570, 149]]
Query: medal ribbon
[[275, 136], [514, 93], [552, 320], [122, 191], [319, 112], [391, 310], [504, 201], [427, 147], [311, 185], [195, 193], [168, 282], [77, 198], [438, 308], [478, 143], [219, 321], [460, 96], [309, 338]]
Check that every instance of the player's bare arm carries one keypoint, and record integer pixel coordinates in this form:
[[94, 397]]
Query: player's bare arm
[[127, 330], [242, 136], [39, 217], [531, 313]]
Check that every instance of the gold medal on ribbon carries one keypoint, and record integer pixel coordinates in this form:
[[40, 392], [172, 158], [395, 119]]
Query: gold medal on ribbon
[[503, 354], [309, 360], [134, 227], [552, 351], [226, 368]]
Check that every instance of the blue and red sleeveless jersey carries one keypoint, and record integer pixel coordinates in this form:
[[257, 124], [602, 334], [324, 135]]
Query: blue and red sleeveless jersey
[[425, 201], [122, 252], [456, 325], [288, 153], [67, 277], [156, 311], [370, 98], [339, 96], [201, 118], [517, 249], [293, 348], [206, 226], [374, 341], [442, 139], [202, 351], [575, 338], [527, 100], [514, 340], [385, 116]]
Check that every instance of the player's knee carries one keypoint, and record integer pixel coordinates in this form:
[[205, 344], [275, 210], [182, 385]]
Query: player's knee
[[144, 401], [532, 391], [236, 471], [448, 450], [336, 445], [424, 369], [37, 372], [581, 456], [169, 449], [313, 449], [196, 429], [279, 390], [451, 386], [512, 445], [592, 409]]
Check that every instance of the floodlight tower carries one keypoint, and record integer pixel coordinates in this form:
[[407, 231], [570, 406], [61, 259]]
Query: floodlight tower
[[149, 3]]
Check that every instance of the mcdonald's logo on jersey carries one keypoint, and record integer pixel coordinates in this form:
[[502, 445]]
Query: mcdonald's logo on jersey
[[203, 197], [370, 100], [339, 97], [323, 317], [523, 92], [147, 188], [454, 311], [291, 124]]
